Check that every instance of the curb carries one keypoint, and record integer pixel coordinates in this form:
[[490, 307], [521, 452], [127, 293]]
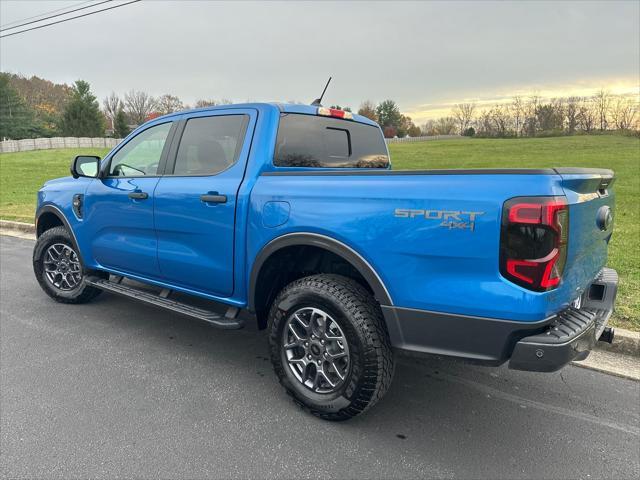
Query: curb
[[19, 226], [625, 342]]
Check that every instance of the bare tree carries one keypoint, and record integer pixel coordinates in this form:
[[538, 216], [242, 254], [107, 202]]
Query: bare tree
[[624, 112], [602, 100], [168, 104], [501, 120], [429, 128], [530, 124], [368, 109], [463, 113], [517, 109], [202, 103], [571, 114], [446, 126], [586, 115], [111, 105], [139, 105], [484, 123]]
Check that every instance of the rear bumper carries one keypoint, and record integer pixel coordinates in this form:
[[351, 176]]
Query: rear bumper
[[573, 333], [542, 346]]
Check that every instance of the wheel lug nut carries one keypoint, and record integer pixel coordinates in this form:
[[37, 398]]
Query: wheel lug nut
[[319, 362], [309, 357], [322, 342], [306, 344]]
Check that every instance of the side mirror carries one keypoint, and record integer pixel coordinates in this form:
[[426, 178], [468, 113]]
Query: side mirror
[[85, 166]]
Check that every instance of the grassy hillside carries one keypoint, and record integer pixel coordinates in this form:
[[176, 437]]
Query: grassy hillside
[[21, 174]]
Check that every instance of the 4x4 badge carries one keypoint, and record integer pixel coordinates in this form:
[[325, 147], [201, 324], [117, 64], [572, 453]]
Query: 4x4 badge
[[448, 218]]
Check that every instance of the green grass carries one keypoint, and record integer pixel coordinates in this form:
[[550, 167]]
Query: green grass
[[619, 153], [22, 174]]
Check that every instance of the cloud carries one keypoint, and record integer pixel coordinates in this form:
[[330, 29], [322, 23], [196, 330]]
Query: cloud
[[417, 53]]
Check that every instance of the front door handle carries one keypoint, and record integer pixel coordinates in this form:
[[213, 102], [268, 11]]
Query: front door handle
[[213, 198], [139, 195]]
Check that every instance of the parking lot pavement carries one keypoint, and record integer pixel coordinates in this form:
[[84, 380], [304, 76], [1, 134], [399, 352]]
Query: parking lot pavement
[[118, 389]]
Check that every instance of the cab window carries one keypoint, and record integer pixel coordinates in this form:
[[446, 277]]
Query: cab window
[[210, 145], [141, 155], [314, 141]]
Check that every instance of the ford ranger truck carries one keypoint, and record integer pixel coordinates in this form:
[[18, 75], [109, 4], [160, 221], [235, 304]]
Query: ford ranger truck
[[291, 216]]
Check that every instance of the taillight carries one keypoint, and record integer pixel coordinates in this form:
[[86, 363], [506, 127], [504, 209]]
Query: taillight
[[533, 243], [334, 112]]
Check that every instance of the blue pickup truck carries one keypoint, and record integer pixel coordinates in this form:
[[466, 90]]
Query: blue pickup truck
[[291, 216]]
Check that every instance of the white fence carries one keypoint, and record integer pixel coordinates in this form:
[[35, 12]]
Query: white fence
[[27, 144], [425, 139]]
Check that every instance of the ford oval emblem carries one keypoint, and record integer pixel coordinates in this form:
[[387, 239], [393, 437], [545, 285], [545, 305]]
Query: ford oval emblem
[[604, 218]]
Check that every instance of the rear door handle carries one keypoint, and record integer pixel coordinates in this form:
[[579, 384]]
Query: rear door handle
[[139, 195], [213, 198]]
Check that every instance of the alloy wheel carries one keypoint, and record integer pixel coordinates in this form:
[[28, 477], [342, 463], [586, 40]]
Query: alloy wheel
[[62, 267], [316, 350]]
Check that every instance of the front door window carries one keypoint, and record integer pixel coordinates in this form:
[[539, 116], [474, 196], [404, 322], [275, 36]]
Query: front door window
[[141, 155]]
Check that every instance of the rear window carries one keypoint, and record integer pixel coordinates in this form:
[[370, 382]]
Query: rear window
[[310, 141]]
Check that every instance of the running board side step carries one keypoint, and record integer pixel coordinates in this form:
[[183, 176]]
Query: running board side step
[[228, 321]]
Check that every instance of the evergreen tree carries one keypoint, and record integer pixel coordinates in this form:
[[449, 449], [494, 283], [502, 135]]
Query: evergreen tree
[[389, 115], [17, 120], [120, 127], [82, 116]]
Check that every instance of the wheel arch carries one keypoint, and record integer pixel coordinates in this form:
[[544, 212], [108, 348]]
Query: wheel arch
[[48, 217], [256, 302]]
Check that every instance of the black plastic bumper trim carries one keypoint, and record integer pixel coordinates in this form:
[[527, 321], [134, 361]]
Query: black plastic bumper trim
[[482, 339], [572, 334], [542, 346]]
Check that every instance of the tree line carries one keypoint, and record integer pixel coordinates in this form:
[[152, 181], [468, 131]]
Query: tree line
[[534, 116], [35, 107]]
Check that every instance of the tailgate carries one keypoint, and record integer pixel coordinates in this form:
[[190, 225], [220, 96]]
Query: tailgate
[[591, 201]]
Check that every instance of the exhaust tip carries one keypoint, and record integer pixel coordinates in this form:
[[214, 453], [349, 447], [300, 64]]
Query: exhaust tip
[[607, 335]]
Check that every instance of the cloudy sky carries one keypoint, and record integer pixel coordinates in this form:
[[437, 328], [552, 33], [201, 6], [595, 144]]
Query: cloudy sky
[[424, 55]]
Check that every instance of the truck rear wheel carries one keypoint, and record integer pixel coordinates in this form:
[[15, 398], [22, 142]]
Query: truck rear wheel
[[58, 268], [329, 346]]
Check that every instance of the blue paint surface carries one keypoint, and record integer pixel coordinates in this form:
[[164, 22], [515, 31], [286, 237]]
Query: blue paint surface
[[175, 240]]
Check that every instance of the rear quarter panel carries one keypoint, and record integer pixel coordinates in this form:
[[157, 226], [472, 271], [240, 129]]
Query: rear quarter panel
[[423, 265]]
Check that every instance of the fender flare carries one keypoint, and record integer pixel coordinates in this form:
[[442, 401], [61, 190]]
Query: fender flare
[[61, 216], [327, 243]]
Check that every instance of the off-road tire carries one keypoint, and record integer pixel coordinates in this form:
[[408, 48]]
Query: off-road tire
[[80, 294], [360, 318]]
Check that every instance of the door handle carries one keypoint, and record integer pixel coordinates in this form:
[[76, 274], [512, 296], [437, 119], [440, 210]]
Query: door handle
[[213, 198], [139, 195]]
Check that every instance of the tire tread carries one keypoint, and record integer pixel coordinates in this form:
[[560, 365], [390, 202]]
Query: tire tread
[[366, 316]]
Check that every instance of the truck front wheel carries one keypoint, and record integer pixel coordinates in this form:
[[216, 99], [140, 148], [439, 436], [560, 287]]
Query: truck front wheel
[[58, 269], [329, 346]]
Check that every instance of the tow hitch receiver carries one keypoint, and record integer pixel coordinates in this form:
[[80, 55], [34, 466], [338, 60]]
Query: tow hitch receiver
[[607, 335]]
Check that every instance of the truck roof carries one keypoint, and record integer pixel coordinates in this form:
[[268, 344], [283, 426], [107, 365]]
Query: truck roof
[[283, 107]]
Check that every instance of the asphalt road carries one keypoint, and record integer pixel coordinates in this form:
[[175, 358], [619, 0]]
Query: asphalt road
[[118, 389]]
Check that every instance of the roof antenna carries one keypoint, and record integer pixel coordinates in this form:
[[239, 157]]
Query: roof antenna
[[317, 101]]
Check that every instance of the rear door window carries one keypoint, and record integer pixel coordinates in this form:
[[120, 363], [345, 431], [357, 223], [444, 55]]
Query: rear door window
[[314, 141], [210, 145]]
